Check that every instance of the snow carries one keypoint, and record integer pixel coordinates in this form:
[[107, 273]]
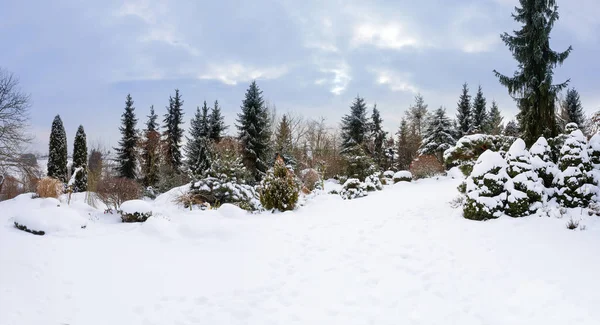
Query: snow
[[399, 256], [134, 206], [403, 174], [487, 161], [49, 216]]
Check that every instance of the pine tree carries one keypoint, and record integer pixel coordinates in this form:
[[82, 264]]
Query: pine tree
[[355, 125], [575, 184], [417, 115], [512, 129], [524, 189], [254, 127], [495, 125], [464, 115], [197, 148], [438, 137], [574, 109], [126, 152], [151, 151], [279, 189], [283, 140], [217, 123], [378, 137], [173, 133], [531, 85], [405, 155], [80, 161], [57, 157], [480, 116]]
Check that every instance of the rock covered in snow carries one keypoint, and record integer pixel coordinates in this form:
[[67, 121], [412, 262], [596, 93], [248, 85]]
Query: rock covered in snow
[[49, 218]]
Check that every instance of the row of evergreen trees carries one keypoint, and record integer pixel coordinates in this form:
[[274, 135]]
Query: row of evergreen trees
[[58, 156]]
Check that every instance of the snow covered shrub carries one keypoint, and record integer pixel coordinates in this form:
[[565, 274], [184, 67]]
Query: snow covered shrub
[[358, 164], [387, 177], [594, 154], [373, 183], [49, 217], [542, 163], [310, 179], [49, 187], [426, 166], [113, 191], [135, 211], [485, 192], [558, 142], [470, 147], [402, 176], [279, 189], [524, 190], [353, 188], [574, 185]]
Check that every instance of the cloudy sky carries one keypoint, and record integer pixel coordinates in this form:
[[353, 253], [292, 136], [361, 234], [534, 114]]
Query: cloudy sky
[[79, 59]]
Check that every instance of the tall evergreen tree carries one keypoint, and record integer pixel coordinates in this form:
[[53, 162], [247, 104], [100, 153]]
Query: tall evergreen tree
[[464, 116], [126, 152], [217, 123], [355, 125], [198, 143], [512, 129], [173, 133], [574, 109], [531, 85], [254, 127], [283, 140], [151, 151], [404, 151], [438, 137], [480, 116], [417, 115], [378, 137], [57, 156], [495, 125], [80, 161]]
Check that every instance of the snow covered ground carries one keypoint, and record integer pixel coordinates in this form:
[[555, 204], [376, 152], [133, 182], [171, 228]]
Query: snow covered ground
[[400, 256]]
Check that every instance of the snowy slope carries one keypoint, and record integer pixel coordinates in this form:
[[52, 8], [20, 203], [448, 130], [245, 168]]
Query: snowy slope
[[400, 256]]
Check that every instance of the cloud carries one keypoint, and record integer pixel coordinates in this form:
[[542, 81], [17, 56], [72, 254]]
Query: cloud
[[231, 74], [386, 36], [395, 81]]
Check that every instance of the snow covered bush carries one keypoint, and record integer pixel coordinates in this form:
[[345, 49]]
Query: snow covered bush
[[135, 211], [574, 185], [373, 183], [402, 176], [279, 189], [113, 191], [594, 154], [426, 166], [310, 179], [558, 142], [470, 147], [485, 194], [49, 187], [524, 189], [49, 217], [387, 177], [353, 188], [542, 164]]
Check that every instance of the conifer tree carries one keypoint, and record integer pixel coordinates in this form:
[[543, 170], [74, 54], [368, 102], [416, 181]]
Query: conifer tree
[[126, 152], [574, 109], [355, 124], [464, 116], [512, 129], [495, 125], [438, 137], [575, 184], [151, 151], [283, 140], [80, 161], [173, 133], [480, 116], [254, 131], [57, 156], [217, 123], [524, 189], [405, 155], [378, 137], [417, 115], [198, 144], [531, 85]]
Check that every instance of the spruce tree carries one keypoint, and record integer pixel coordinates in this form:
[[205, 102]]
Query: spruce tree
[[438, 136], [355, 125], [254, 127], [57, 156], [217, 123], [417, 115], [480, 116], [531, 85], [464, 116], [574, 109], [403, 147], [151, 151], [283, 140], [126, 152], [512, 129], [198, 144], [80, 161], [495, 125], [173, 133], [378, 137]]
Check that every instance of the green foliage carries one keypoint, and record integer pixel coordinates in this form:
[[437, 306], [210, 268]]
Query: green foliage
[[57, 156], [135, 217], [464, 115], [31, 231], [439, 136], [279, 189], [353, 188], [151, 151], [217, 123], [126, 152], [173, 134], [574, 109], [575, 186], [480, 116], [80, 161], [197, 148], [524, 190], [357, 163], [485, 188], [469, 148], [378, 136], [495, 125], [355, 125]]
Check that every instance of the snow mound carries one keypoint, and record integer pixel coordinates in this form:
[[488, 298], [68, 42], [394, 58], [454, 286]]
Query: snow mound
[[232, 211], [134, 206], [486, 162], [47, 220], [402, 176]]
